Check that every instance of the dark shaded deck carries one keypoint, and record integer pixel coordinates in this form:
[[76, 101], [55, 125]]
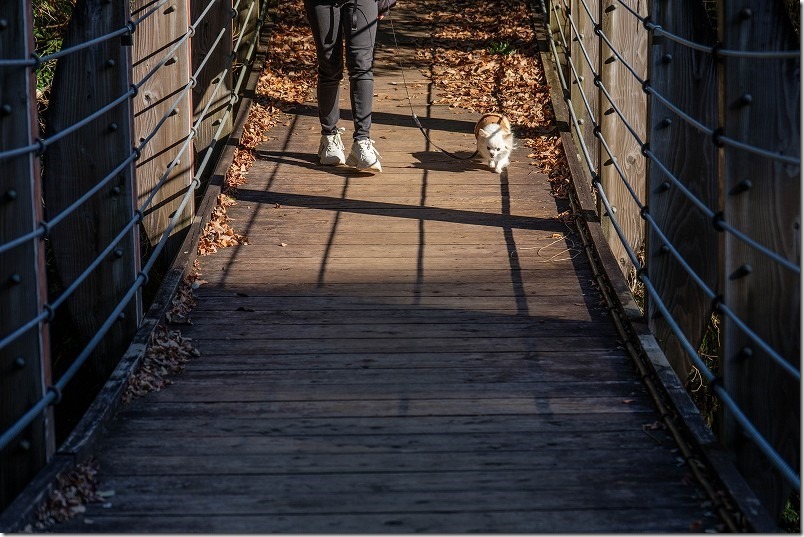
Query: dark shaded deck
[[403, 352]]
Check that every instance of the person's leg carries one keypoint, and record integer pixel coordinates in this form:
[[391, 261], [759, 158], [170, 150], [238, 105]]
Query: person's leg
[[359, 22], [325, 21]]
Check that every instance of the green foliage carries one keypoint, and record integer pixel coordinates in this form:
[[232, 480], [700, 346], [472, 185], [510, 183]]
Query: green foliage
[[791, 518], [501, 47], [50, 22]]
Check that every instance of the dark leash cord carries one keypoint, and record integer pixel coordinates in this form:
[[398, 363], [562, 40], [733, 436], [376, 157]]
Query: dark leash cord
[[410, 102]]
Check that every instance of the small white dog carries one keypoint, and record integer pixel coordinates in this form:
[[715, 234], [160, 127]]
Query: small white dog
[[494, 140]]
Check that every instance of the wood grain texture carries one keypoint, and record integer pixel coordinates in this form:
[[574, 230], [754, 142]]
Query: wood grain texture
[[154, 38], [22, 270], [626, 34], [84, 82], [769, 298], [688, 79], [393, 367]]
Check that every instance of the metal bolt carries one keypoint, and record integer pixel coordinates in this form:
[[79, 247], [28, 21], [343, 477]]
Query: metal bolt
[[25, 445], [743, 186], [3, 24], [666, 122], [667, 58], [664, 249], [665, 186], [6, 109], [11, 195], [116, 191], [15, 279], [113, 127], [745, 353], [745, 99], [118, 252], [174, 112], [171, 61], [19, 362], [746, 13], [170, 9], [742, 271], [111, 62], [122, 316], [580, 121]]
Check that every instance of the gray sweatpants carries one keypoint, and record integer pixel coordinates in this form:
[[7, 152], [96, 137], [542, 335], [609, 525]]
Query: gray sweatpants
[[355, 25]]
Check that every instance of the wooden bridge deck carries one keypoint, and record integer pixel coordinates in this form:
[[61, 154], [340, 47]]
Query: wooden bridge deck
[[401, 352]]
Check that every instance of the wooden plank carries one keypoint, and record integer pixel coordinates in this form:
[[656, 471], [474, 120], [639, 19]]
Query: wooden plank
[[369, 494], [626, 34], [769, 298], [84, 82], [208, 46], [585, 50], [155, 98], [689, 77], [426, 360], [505, 520], [25, 363]]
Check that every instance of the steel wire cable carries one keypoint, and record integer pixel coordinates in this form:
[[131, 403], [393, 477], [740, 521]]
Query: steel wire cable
[[748, 427], [44, 227], [36, 60], [747, 330], [598, 133], [646, 150], [53, 393], [714, 50], [725, 397]]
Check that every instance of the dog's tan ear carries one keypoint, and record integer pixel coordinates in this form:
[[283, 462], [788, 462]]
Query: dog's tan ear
[[505, 123]]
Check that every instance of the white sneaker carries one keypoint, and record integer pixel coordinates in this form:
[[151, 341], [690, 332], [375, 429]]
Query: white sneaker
[[364, 156], [331, 148]]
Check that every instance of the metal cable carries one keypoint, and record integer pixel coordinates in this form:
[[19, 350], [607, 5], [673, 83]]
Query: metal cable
[[714, 50], [646, 151], [750, 430], [748, 427], [53, 393], [40, 145]]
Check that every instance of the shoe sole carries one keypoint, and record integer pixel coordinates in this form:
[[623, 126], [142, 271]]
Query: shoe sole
[[376, 167], [332, 162]]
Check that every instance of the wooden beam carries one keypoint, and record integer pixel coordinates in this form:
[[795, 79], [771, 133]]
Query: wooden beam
[[24, 363], [84, 82], [760, 105], [686, 77], [155, 37], [631, 41], [217, 66]]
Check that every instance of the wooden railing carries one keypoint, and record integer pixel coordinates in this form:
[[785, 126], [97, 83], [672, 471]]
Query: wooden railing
[[97, 190], [687, 125]]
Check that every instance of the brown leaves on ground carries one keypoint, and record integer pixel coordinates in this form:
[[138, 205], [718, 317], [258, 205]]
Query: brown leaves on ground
[[487, 60], [72, 491], [218, 232], [166, 355], [288, 76]]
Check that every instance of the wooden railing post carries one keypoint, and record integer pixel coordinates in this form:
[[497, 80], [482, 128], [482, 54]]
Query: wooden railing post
[[84, 82], [629, 38], [218, 65], [760, 105], [154, 38], [687, 78], [25, 363], [591, 43]]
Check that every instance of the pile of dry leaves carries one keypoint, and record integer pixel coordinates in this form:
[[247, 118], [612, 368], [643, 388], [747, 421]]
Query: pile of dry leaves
[[73, 490], [487, 60]]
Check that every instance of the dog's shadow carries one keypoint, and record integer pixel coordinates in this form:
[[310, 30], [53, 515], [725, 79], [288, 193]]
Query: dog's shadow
[[438, 161]]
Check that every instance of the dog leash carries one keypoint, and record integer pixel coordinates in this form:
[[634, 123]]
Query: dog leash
[[410, 102]]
